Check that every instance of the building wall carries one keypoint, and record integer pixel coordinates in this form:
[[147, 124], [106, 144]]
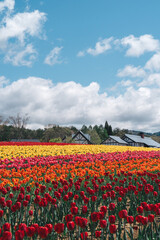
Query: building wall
[[80, 139], [111, 141]]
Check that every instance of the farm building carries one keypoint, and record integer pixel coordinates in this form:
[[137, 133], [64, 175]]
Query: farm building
[[140, 141], [114, 140], [81, 138]]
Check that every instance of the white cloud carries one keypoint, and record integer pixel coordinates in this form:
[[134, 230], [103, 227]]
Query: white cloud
[[100, 47], [121, 85], [131, 71], [126, 83], [21, 57], [73, 104], [15, 34], [154, 63], [9, 4], [136, 46], [151, 80], [139, 45], [54, 56], [81, 54], [21, 25], [3, 81]]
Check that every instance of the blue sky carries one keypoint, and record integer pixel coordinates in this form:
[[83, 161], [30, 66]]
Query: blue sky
[[81, 62]]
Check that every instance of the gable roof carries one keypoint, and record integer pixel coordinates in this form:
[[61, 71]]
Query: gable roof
[[118, 139], [86, 136], [146, 140], [115, 138]]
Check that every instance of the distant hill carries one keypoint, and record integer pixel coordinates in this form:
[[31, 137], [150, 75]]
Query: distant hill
[[137, 133]]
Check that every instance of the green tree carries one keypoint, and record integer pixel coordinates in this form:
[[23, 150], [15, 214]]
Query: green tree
[[108, 128], [56, 140], [84, 129], [95, 139]]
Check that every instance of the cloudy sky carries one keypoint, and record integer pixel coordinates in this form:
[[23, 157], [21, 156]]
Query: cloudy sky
[[73, 62]]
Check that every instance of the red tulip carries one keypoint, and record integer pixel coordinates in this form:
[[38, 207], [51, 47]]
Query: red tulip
[[138, 218], [84, 235], [155, 194], [65, 188], [59, 228], [11, 195], [104, 196], [1, 213], [84, 209], [18, 205], [30, 231], [94, 216], [73, 204], [94, 198], [77, 220], [130, 219], [82, 222], [112, 219], [43, 232], [144, 220], [19, 235], [53, 201], [9, 203], [103, 209], [98, 234], [30, 213], [123, 213], [103, 223], [119, 199], [28, 188], [70, 194], [151, 218], [25, 203], [35, 225], [70, 225], [85, 200], [22, 227], [74, 210], [65, 197], [68, 217], [76, 196], [7, 235], [101, 215], [112, 206], [140, 209], [6, 227], [112, 228]]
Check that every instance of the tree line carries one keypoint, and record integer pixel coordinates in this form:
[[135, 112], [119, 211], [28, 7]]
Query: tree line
[[15, 128]]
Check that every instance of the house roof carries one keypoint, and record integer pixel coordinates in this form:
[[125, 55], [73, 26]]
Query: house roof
[[118, 139], [146, 140], [86, 136]]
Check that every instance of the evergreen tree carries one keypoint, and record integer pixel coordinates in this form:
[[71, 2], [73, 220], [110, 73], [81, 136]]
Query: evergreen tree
[[108, 128], [84, 129]]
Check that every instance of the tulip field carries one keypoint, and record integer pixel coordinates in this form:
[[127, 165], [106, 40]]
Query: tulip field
[[73, 192]]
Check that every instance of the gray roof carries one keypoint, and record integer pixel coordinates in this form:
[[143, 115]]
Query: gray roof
[[87, 136], [146, 140], [118, 139]]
